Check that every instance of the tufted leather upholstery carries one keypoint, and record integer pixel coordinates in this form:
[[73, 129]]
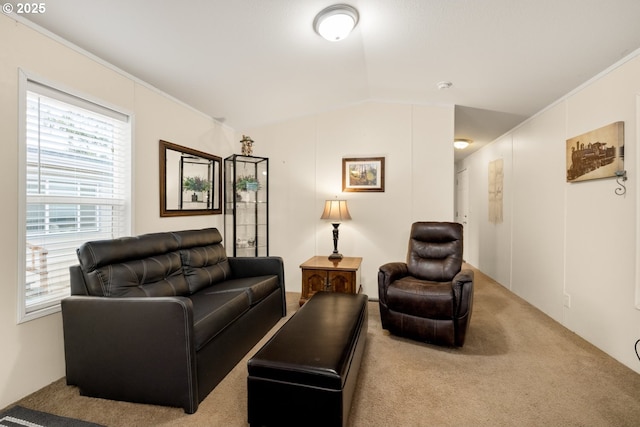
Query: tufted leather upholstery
[[162, 318], [435, 251], [429, 297], [160, 264]]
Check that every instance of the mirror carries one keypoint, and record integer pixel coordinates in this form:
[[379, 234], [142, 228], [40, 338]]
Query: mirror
[[190, 181]]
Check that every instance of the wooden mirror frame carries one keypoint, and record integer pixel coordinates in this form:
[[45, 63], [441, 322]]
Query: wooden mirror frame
[[213, 176]]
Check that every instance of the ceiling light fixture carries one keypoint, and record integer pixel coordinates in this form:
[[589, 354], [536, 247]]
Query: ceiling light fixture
[[461, 144], [335, 22], [444, 85]]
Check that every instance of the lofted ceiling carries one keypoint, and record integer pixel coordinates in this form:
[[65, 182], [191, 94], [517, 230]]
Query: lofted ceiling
[[253, 62]]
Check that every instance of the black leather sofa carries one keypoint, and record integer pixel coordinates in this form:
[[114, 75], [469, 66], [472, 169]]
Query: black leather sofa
[[162, 318]]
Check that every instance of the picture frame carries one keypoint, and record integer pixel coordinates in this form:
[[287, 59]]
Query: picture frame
[[596, 154], [363, 174]]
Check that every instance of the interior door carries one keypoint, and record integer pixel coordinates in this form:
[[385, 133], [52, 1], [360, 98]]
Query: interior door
[[462, 205]]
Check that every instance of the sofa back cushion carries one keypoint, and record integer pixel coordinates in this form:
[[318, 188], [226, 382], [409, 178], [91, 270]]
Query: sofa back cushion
[[203, 258], [147, 265], [158, 264]]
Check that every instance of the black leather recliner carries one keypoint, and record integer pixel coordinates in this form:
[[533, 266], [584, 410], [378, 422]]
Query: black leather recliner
[[429, 297]]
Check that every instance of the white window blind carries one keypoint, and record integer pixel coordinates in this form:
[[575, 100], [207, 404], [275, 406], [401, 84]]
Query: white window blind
[[76, 179]]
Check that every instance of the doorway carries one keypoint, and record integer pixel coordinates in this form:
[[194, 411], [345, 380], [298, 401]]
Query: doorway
[[462, 205]]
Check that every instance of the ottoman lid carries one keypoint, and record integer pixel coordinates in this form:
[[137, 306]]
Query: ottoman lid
[[315, 347]]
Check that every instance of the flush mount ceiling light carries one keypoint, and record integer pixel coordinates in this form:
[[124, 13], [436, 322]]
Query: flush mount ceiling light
[[335, 22], [461, 144]]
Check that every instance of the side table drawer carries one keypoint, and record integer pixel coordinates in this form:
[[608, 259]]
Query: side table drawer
[[312, 281], [319, 274], [342, 281]]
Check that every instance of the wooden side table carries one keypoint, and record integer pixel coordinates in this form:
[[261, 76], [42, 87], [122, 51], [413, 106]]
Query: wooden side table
[[320, 273]]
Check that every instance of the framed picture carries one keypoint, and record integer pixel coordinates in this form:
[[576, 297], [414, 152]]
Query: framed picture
[[596, 154], [363, 174]]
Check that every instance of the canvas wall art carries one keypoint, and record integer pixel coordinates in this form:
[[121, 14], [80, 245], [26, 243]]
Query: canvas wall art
[[596, 154], [496, 184]]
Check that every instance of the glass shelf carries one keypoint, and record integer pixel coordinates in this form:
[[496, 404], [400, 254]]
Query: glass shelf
[[246, 205]]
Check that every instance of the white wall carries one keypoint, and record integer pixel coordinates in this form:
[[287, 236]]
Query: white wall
[[32, 354], [159, 117], [555, 238], [306, 169], [305, 156], [488, 243], [573, 238]]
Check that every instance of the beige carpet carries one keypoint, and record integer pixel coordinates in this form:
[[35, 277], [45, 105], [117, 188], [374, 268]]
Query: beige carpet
[[517, 368]]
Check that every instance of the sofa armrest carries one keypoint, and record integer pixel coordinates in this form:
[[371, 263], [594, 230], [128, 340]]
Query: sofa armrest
[[387, 274], [260, 266], [134, 349], [257, 266], [77, 283]]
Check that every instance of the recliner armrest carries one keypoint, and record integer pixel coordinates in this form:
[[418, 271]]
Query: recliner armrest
[[463, 290], [387, 274], [464, 275], [136, 349], [393, 271]]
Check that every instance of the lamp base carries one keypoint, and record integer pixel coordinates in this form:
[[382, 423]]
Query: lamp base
[[335, 255]]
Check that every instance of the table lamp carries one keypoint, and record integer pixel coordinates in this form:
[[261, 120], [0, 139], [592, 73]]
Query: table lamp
[[336, 211]]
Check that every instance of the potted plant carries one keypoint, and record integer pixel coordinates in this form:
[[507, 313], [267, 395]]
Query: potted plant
[[197, 185], [247, 183]]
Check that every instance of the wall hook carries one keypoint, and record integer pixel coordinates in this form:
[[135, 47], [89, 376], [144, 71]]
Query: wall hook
[[621, 177]]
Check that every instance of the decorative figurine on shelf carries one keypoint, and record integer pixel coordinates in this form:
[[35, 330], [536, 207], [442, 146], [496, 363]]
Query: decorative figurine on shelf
[[247, 143]]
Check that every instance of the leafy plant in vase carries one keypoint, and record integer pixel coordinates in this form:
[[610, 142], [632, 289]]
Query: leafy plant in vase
[[246, 183], [197, 185]]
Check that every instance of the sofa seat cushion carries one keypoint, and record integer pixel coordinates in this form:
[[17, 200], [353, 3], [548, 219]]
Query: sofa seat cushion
[[420, 298], [257, 288], [214, 311]]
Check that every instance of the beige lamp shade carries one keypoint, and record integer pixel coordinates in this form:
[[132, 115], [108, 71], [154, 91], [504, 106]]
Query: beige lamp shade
[[336, 211]]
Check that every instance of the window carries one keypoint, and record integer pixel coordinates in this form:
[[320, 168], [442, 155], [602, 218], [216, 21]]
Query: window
[[74, 187]]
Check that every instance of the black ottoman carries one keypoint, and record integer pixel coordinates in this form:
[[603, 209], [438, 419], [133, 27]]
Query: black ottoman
[[305, 375]]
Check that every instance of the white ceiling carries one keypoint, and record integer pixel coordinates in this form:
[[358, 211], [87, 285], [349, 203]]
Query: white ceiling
[[254, 62]]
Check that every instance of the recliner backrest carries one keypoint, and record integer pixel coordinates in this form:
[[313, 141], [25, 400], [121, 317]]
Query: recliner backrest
[[435, 250]]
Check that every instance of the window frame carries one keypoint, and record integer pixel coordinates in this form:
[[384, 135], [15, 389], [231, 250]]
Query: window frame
[[81, 100]]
